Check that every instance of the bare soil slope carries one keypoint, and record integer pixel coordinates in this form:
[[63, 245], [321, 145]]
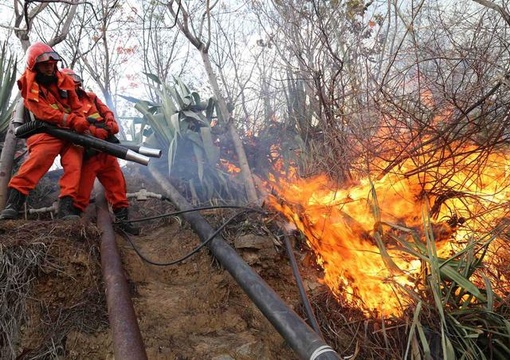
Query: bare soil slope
[[190, 310]]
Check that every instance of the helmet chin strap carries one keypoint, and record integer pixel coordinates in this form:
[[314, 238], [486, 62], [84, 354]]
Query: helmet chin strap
[[45, 80]]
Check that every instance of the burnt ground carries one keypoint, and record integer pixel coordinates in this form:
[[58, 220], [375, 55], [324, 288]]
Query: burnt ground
[[52, 292]]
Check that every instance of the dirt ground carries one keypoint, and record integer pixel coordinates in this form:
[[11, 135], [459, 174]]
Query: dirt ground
[[190, 310]]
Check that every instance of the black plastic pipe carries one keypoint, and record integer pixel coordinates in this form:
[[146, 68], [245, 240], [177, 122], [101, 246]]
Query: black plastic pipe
[[312, 321], [127, 339], [305, 342]]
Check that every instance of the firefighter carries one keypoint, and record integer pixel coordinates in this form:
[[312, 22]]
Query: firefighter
[[101, 165], [50, 96]]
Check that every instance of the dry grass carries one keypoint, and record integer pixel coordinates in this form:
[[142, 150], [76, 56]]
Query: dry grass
[[50, 285]]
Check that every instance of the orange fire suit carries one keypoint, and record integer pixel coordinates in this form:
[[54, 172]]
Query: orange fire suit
[[57, 104], [101, 165]]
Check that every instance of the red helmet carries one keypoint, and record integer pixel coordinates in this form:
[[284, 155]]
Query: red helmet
[[39, 52], [76, 78]]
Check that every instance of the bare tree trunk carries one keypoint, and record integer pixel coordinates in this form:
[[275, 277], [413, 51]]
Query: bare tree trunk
[[7, 155], [225, 114], [6, 163], [184, 25]]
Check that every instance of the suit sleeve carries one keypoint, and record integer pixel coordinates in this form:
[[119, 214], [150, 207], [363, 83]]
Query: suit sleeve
[[52, 111], [42, 110]]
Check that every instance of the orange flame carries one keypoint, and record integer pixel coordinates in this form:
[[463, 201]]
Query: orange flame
[[345, 226], [229, 167]]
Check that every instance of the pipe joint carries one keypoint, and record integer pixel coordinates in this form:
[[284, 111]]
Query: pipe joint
[[143, 195]]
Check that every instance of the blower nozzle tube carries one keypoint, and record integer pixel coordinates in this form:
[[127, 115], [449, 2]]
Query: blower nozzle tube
[[144, 150], [88, 141]]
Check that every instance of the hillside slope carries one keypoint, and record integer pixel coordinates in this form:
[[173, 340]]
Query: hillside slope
[[190, 310]]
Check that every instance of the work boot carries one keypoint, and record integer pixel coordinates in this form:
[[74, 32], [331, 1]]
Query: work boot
[[121, 218], [14, 204], [66, 209]]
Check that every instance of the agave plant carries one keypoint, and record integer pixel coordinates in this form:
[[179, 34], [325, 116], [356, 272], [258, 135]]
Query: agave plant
[[180, 122], [7, 81]]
